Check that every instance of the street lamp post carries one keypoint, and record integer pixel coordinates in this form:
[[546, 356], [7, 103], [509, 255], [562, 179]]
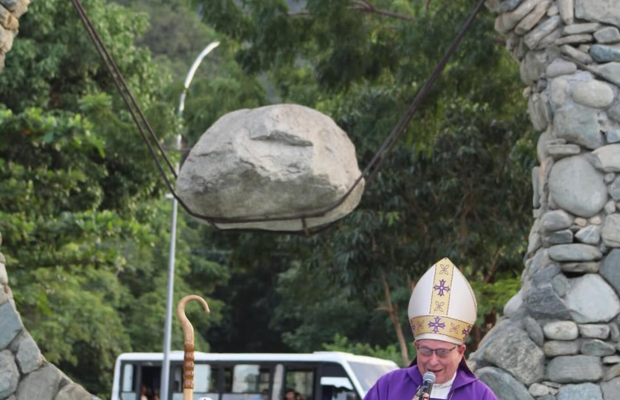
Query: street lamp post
[[165, 375]]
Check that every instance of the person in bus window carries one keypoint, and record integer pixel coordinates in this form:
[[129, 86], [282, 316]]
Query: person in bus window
[[289, 394], [143, 391], [442, 311]]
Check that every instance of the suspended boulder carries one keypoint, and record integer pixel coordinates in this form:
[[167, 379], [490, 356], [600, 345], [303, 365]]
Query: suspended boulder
[[277, 161]]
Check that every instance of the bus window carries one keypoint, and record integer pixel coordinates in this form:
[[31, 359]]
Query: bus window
[[205, 382], [150, 376], [128, 385], [337, 388], [301, 381], [137, 379], [246, 382], [335, 383]]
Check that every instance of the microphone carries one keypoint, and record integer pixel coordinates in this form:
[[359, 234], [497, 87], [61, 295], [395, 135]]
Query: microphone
[[427, 383]]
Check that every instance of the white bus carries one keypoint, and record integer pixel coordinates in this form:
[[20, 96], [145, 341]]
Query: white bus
[[218, 376]]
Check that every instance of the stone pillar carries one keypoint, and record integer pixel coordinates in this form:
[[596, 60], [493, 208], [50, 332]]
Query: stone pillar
[[559, 337], [10, 11], [24, 373]]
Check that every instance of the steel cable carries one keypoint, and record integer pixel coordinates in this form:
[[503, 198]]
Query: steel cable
[[370, 171]]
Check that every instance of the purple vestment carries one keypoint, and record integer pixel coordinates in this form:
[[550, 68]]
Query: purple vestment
[[403, 383]]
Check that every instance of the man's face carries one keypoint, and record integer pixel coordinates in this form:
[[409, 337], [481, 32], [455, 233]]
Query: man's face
[[290, 395], [443, 367]]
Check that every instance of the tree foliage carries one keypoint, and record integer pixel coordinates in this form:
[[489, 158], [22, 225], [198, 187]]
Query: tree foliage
[[454, 186], [86, 229], [83, 215]]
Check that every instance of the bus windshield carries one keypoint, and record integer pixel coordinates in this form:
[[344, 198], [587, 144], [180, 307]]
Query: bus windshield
[[368, 374], [252, 376]]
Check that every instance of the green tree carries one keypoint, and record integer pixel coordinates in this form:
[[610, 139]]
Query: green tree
[[452, 187], [84, 222]]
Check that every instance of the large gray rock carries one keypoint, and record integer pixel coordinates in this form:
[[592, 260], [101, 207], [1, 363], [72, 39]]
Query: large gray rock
[[4, 278], [591, 234], [508, 21], [29, 356], [577, 186], [576, 54], [561, 330], [8, 373], [533, 17], [11, 324], [593, 93], [496, 334], [578, 124], [609, 71], [594, 331], [559, 92], [588, 391], [534, 330], [574, 252], [543, 302], [610, 269], [614, 189], [608, 34], [611, 389], [604, 54], [17, 7], [560, 237], [504, 385], [560, 67], [556, 220], [574, 369], [574, 39], [596, 347], [582, 267], [560, 285], [554, 348], [513, 305], [508, 5], [612, 372], [517, 354], [274, 161], [608, 157], [611, 231], [585, 297], [535, 62], [41, 384], [538, 109], [73, 391], [538, 390], [576, 29], [600, 10], [567, 10]]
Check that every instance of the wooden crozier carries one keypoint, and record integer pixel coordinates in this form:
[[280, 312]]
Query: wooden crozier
[[188, 334]]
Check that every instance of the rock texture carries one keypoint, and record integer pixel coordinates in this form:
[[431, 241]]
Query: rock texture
[[10, 11], [24, 372], [275, 161], [570, 60]]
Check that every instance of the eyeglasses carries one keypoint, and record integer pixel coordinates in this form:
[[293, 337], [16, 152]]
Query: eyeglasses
[[441, 353]]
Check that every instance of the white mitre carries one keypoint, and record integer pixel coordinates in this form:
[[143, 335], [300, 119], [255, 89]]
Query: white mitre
[[442, 305]]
